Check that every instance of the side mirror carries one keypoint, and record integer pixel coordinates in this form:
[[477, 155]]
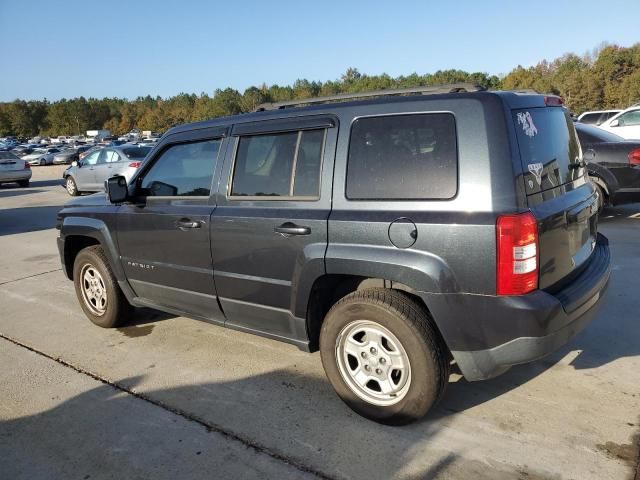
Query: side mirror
[[75, 163], [615, 123], [116, 188]]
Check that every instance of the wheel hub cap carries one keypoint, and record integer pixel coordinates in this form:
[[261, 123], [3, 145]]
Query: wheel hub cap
[[373, 362], [94, 292]]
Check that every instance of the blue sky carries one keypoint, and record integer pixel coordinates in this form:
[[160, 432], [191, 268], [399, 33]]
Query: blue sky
[[57, 49]]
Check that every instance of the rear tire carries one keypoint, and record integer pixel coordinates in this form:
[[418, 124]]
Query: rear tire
[[97, 289], [383, 356], [23, 183]]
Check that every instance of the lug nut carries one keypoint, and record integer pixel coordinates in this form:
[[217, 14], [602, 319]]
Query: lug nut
[[373, 350], [383, 360], [378, 371], [363, 355], [367, 368]]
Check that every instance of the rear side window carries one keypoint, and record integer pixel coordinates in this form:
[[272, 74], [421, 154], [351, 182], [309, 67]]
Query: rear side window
[[184, 169], [279, 165], [549, 148], [403, 157], [592, 118], [138, 152]]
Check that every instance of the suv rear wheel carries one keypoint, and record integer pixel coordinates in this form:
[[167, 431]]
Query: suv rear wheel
[[97, 289], [383, 356]]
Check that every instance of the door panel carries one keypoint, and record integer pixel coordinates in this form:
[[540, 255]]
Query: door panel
[[265, 250], [164, 237]]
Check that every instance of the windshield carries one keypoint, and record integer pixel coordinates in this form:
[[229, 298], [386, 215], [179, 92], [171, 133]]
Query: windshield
[[549, 149], [8, 156]]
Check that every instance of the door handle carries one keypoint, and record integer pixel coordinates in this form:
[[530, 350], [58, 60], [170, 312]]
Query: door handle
[[290, 228], [186, 224]]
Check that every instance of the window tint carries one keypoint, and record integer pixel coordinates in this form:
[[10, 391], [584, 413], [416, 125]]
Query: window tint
[[279, 165], [183, 170], [138, 152], [8, 156], [549, 147], [403, 157], [591, 118]]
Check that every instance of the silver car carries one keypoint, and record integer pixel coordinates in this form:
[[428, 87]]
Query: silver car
[[42, 156], [89, 174], [14, 169]]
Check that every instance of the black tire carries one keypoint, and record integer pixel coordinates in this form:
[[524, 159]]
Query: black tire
[[23, 183], [602, 199], [117, 308], [71, 186], [412, 326]]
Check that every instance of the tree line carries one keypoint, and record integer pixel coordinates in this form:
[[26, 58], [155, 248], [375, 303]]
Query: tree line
[[608, 77]]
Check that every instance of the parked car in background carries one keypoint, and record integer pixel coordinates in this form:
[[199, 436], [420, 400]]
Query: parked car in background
[[65, 157], [14, 169], [21, 151], [625, 124], [89, 174], [42, 156], [597, 117], [613, 164]]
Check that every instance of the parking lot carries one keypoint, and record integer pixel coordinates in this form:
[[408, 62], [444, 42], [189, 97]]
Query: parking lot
[[165, 396]]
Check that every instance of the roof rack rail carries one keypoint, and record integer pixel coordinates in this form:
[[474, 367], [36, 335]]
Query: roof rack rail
[[427, 90]]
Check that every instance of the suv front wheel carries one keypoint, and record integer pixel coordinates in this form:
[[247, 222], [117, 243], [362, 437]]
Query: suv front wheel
[[383, 356], [97, 289]]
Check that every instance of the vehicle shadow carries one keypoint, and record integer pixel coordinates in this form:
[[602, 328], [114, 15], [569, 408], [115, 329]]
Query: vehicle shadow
[[6, 193], [47, 183], [27, 219]]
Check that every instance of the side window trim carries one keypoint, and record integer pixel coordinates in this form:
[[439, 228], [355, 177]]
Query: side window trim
[[291, 197]]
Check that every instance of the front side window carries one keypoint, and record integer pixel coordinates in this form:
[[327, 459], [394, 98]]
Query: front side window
[[183, 170], [403, 157], [92, 158], [279, 165]]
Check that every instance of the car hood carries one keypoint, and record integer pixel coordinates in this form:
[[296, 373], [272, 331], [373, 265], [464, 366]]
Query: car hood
[[96, 200]]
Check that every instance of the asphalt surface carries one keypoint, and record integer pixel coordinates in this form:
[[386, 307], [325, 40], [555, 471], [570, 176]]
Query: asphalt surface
[[167, 397]]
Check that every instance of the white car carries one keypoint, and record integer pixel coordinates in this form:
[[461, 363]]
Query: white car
[[14, 169], [42, 156], [626, 124], [597, 117]]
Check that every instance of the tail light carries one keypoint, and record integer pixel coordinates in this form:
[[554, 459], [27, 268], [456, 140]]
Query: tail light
[[27, 165], [634, 157], [135, 164], [517, 254]]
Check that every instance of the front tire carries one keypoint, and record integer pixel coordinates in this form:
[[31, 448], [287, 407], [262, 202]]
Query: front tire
[[97, 289], [383, 356], [70, 185]]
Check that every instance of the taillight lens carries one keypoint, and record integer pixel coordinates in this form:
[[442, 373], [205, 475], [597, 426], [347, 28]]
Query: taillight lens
[[517, 254], [135, 164], [634, 157], [27, 165], [553, 101]]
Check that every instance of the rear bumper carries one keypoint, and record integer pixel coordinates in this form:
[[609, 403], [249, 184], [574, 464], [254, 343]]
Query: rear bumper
[[15, 175], [506, 331]]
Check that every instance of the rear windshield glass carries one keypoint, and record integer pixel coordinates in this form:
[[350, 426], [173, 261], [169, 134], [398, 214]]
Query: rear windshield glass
[[549, 148], [138, 152], [8, 156]]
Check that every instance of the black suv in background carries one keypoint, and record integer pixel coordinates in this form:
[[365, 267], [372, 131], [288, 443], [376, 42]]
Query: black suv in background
[[395, 231]]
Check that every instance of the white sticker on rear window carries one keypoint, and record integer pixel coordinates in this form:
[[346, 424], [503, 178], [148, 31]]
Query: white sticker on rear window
[[525, 119], [536, 169]]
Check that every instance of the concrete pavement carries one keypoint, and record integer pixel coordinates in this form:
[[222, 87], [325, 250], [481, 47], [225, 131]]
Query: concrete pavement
[[574, 415]]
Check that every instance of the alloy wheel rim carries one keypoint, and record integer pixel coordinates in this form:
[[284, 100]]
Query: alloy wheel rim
[[94, 291], [373, 363], [71, 188]]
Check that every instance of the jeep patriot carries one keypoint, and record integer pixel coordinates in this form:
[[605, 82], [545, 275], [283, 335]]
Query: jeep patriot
[[400, 233]]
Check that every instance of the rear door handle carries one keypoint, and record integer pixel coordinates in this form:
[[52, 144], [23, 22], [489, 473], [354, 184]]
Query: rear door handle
[[290, 228], [186, 224]]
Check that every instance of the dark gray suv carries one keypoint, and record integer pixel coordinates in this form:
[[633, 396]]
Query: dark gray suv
[[398, 232]]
